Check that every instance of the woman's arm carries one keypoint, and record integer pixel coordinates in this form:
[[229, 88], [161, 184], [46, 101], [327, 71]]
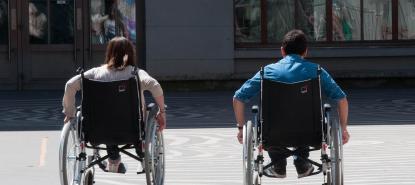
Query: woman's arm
[[161, 115], [150, 84], [68, 102], [72, 86]]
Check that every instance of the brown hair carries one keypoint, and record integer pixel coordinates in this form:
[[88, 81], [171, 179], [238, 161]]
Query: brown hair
[[119, 54], [294, 42]]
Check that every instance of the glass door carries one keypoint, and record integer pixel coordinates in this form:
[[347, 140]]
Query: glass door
[[48, 43], [43, 42], [8, 44]]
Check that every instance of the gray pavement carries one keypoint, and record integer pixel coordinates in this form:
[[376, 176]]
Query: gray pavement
[[201, 143], [375, 155]]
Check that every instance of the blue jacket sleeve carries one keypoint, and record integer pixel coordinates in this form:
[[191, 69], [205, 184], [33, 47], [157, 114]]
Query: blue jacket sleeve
[[249, 89]]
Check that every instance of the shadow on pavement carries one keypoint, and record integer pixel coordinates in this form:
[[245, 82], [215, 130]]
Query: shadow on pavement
[[41, 110]]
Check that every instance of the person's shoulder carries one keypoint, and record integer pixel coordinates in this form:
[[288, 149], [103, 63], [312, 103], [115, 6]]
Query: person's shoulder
[[273, 64], [141, 71], [95, 69], [310, 63]]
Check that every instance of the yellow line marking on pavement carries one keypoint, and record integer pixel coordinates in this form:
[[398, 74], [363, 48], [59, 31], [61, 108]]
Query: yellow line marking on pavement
[[43, 150]]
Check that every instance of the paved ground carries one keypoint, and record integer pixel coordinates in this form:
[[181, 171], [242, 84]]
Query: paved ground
[[201, 146], [376, 155]]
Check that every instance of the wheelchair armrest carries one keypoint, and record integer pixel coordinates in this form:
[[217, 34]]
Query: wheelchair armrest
[[327, 107], [254, 109]]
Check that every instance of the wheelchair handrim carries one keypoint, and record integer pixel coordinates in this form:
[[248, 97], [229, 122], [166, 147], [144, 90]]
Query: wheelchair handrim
[[248, 162], [68, 151], [154, 159], [337, 155]]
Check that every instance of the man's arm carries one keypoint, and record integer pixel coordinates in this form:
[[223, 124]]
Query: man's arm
[[343, 110], [238, 108], [249, 89]]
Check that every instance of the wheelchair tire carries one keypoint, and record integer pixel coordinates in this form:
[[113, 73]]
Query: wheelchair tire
[[257, 179], [328, 180], [154, 162], [336, 154], [68, 151], [88, 177], [248, 153]]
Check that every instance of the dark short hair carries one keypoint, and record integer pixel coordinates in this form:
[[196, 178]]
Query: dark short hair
[[117, 49], [294, 42]]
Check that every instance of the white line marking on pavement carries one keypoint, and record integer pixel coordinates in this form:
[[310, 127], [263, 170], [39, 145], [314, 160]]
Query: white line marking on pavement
[[43, 150]]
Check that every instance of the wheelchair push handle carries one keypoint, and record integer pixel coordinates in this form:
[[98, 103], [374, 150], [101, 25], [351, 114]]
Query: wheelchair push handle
[[254, 109], [151, 105], [327, 107]]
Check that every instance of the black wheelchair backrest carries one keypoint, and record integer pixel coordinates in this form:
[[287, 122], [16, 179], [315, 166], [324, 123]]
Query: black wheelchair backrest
[[291, 113], [111, 111]]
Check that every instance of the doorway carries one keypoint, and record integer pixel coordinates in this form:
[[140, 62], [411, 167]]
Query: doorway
[[43, 42]]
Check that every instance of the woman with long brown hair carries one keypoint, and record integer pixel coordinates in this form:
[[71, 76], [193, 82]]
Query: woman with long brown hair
[[119, 64]]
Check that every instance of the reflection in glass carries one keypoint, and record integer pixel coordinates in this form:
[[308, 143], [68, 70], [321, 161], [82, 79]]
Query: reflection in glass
[[406, 19], [38, 22], [377, 19], [127, 8], [306, 15], [346, 20], [4, 24], [62, 22], [247, 21], [110, 18], [280, 16], [311, 18]]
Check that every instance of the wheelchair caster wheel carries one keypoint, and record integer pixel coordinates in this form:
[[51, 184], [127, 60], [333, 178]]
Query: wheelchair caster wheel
[[88, 178]]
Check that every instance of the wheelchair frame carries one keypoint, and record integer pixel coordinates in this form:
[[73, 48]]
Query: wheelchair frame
[[331, 147], [77, 167]]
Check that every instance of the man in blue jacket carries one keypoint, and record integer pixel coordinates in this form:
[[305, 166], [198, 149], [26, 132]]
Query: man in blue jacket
[[292, 68]]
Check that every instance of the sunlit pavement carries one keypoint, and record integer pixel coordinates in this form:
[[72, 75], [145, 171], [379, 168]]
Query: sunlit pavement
[[201, 140], [381, 154]]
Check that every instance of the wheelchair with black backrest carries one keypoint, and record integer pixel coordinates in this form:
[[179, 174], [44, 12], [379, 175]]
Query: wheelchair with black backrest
[[111, 113], [290, 116]]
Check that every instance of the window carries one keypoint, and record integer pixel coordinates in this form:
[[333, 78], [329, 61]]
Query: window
[[327, 22], [307, 15], [406, 12], [61, 21], [4, 23], [377, 20], [346, 20], [51, 22], [112, 18], [248, 21]]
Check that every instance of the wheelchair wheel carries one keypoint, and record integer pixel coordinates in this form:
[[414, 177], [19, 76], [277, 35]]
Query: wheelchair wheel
[[88, 177], [68, 151], [328, 178], [154, 162], [248, 153], [336, 152], [257, 179]]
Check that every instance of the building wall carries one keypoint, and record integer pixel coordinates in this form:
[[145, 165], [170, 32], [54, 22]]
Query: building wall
[[189, 39], [342, 62], [194, 40]]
